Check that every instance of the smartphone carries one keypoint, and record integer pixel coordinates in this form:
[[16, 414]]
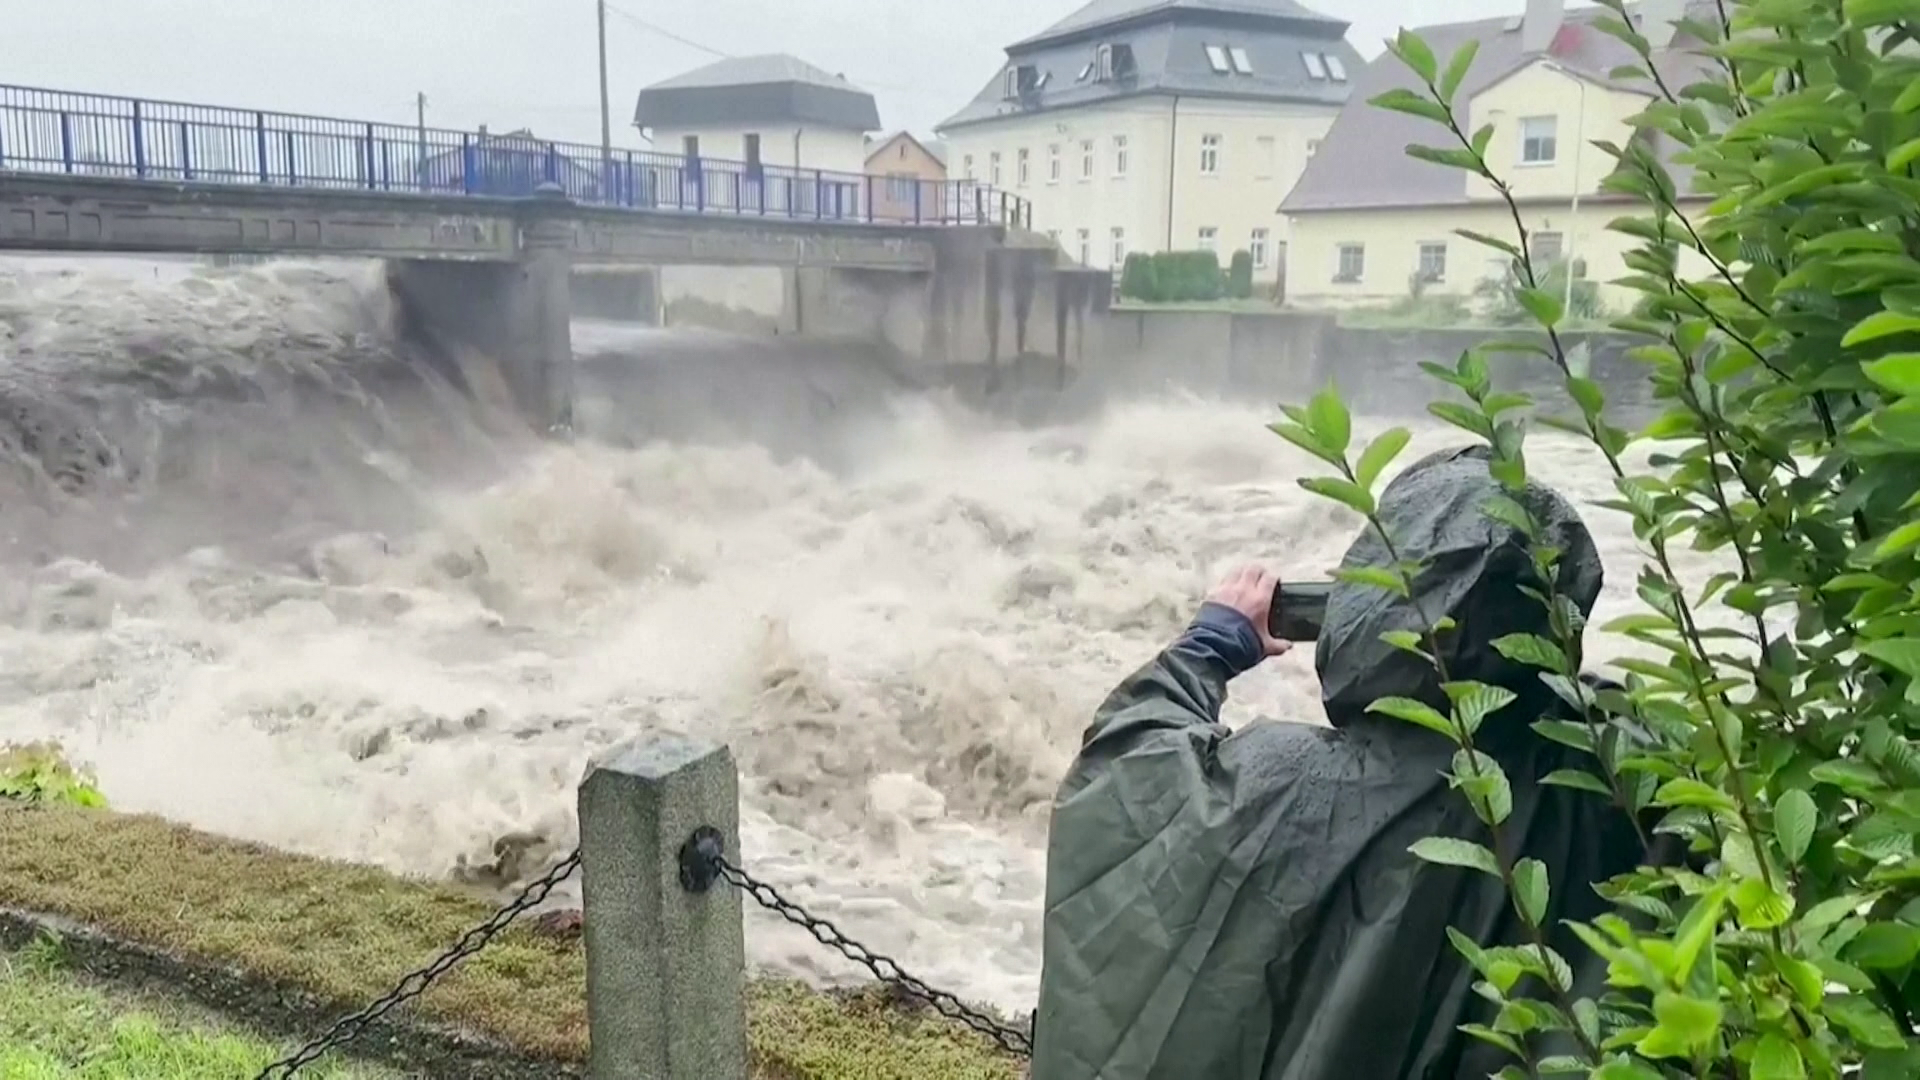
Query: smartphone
[[1299, 610]]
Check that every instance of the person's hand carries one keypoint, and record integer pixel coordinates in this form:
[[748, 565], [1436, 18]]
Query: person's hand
[[1249, 591]]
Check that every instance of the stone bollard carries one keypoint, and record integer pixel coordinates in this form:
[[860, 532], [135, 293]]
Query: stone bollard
[[666, 997]]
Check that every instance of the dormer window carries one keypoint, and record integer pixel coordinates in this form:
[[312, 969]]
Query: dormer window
[[1217, 59], [1112, 62], [1335, 67], [1241, 62], [1013, 84], [1103, 63], [1086, 73], [1316, 67], [1022, 80]]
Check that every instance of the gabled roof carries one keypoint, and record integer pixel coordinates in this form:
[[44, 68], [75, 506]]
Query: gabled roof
[[1362, 161], [1102, 14], [880, 146], [1169, 40], [774, 88]]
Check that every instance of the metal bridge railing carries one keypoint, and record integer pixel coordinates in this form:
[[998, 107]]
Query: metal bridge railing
[[96, 135]]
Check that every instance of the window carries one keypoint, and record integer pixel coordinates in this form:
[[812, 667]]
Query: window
[[900, 187], [993, 168], [1053, 163], [966, 167], [690, 147], [750, 147], [1119, 246], [1265, 152], [1085, 73], [1086, 159], [1241, 63], [1209, 238], [1013, 84], [1053, 236], [1316, 67], [1119, 155], [1336, 67], [1103, 63], [1433, 262], [1086, 247], [1209, 154], [1352, 263], [1021, 170], [1539, 140], [1257, 247], [1546, 248], [1217, 59]]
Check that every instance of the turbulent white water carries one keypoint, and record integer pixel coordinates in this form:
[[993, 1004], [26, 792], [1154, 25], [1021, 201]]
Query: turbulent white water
[[292, 599]]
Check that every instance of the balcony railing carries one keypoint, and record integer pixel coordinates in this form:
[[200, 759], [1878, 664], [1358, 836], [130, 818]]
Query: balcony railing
[[59, 132]]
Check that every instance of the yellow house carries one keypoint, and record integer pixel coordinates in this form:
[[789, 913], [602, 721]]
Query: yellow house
[[1370, 225]]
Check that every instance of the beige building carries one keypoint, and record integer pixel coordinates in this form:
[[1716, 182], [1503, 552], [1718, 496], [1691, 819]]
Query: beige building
[[1368, 222], [1158, 125], [907, 178], [771, 112]]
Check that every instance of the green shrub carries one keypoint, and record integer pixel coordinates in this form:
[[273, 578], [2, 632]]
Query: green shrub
[[1781, 750], [1138, 280], [39, 772], [1240, 275]]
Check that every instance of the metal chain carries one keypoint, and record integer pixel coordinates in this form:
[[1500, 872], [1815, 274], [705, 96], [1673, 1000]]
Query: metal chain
[[884, 968], [416, 983]]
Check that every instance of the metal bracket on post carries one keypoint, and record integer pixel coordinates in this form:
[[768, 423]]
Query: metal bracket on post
[[700, 859]]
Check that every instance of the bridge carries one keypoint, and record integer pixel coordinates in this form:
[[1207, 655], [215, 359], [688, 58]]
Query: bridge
[[485, 229]]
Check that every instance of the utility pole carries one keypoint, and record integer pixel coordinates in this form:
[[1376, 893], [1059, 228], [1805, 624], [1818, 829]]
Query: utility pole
[[606, 114], [420, 150]]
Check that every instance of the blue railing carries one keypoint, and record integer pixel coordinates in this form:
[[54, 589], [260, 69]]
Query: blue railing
[[53, 131]]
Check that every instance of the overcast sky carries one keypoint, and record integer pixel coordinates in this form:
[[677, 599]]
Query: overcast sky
[[532, 63]]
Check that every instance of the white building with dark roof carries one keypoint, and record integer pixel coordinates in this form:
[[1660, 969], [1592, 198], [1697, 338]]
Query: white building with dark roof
[[1368, 222], [1156, 125], [772, 110]]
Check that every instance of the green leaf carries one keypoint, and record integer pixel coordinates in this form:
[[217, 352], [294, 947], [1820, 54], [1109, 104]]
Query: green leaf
[[1760, 906], [1376, 577], [1566, 733], [1682, 1024], [1485, 785], [1853, 777], [1533, 650], [1299, 436], [1864, 1020], [1909, 99], [1345, 492], [1530, 890], [1793, 821], [1406, 101], [1903, 155], [1686, 791], [1490, 241], [1879, 325], [1448, 851], [1897, 542], [1897, 372], [1457, 68], [1404, 640], [1415, 712], [1379, 454], [1624, 1069], [1330, 421], [1776, 1058], [1417, 55], [1474, 702], [1575, 778], [1885, 946], [1545, 307]]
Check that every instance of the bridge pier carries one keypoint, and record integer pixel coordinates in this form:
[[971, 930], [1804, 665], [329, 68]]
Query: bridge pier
[[543, 351]]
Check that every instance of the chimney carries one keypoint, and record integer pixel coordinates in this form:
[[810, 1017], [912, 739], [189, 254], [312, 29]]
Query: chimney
[[1541, 24], [1659, 21]]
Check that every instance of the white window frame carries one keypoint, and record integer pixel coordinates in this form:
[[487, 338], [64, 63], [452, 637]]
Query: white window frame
[[1549, 142], [1119, 156], [1336, 67], [1086, 160], [993, 168], [1210, 155], [1217, 59], [1540, 258], [966, 167], [1266, 157], [1316, 67], [1340, 252], [1085, 236], [1119, 246], [1420, 261], [1209, 238], [1257, 245], [1022, 167], [1053, 163], [1242, 63]]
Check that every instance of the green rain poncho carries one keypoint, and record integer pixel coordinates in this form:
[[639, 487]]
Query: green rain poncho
[[1241, 905]]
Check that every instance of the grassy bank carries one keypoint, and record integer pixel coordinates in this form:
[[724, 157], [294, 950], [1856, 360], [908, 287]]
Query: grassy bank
[[56, 1024], [341, 935]]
